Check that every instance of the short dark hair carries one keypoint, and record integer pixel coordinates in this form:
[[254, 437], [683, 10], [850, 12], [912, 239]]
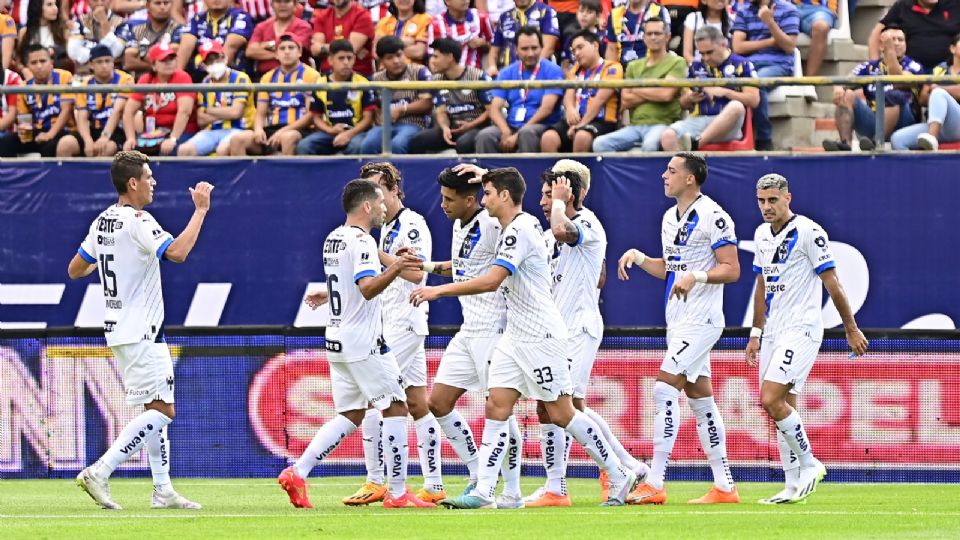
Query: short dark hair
[[447, 46], [357, 192], [695, 164], [390, 174], [655, 20], [592, 5], [507, 179], [127, 164], [32, 48], [891, 26], [341, 45], [389, 45], [529, 30], [588, 35], [459, 182], [576, 183]]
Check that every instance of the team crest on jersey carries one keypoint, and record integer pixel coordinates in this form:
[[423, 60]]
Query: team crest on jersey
[[686, 230], [470, 241], [721, 224], [510, 240], [413, 235], [820, 242]]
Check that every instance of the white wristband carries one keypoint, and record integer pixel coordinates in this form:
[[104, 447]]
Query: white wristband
[[638, 256], [559, 205], [700, 276], [756, 332], [429, 267]]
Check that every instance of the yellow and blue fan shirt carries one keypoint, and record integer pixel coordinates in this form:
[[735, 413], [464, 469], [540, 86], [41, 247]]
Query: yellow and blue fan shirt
[[45, 108], [100, 105], [289, 106], [342, 106], [733, 67], [227, 98]]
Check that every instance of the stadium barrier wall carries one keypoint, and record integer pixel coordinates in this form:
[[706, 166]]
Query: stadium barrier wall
[[260, 247], [250, 399]]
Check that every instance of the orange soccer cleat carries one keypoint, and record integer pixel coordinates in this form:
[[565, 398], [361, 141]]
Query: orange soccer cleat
[[542, 498], [604, 486], [295, 487], [647, 494], [717, 496], [407, 500], [431, 496], [368, 493]]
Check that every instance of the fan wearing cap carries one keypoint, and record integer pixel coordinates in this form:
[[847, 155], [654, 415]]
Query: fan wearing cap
[[99, 114], [222, 22], [168, 117], [221, 114], [98, 27], [282, 117]]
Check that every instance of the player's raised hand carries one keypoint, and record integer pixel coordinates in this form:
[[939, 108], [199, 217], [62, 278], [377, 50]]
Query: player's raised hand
[[477, 171], [426, 294], [753, 348], [201, 195], [561, 189], [682, 288], [629, 258], [407, 261], [316, 299], [857, 341]]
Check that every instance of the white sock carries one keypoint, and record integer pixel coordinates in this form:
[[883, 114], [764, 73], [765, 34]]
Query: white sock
[[397, 453], [713, 439], [588, 434], [131, 439], [326, 440], [428, 448], [791, 465], [567, 447], [511, 467], [373, 445], [666, 421], [553, 450], [493, 449], [158, 453], [796, 438], [628, 461], [460, 437]]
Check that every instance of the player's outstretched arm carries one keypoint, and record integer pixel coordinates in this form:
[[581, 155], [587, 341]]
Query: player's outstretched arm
[[79, 268], [858, 342], [442, 268], [182, 245], [488, 282], [759, 321], [370, 287], [413, 276], [655, 267]]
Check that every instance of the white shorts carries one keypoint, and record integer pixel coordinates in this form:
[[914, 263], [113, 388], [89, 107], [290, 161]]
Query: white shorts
[[466, 361], [538, 371], [147, 371], [582, 349], [788, 358], [688, 350], [411, 357], [375, 380]]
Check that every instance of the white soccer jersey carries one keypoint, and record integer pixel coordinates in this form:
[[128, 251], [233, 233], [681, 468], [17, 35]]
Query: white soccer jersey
[[791, 261], [576, 273], [532, 314], [407, 229], [689, 242], [472, 252], [127, 244], [356, 325]]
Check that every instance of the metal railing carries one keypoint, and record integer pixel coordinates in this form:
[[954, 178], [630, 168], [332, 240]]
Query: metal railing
[[387, 88]]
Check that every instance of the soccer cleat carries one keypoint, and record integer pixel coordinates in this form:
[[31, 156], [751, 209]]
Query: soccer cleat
[[469, 502], [97, 489], [810, 478], [647, 494], [295, 487], [368, 493], [785, 496], [619, 489], [171, 499], [542, 498], [470, 487], [407, 500], [604, 485], [510, 502], [717, 496], [425, 494]]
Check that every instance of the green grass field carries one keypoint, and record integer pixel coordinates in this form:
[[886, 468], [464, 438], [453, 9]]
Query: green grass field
[[256, 508]]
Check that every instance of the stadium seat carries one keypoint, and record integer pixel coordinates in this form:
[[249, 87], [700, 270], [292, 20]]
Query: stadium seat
[[955, 145], [746, 143], [781, 93]]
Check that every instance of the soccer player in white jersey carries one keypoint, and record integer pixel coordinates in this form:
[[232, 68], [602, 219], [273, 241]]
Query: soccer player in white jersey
[[404, 328], [363, 371], [529, 360], [465, 362], [699, 256], [792, 258], [125, 245]]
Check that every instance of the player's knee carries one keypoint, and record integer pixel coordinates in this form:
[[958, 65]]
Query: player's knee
[[773, 403], [439, 407], [356, 417], [397, 408], [495, 410], [561, 411], [542, 415]]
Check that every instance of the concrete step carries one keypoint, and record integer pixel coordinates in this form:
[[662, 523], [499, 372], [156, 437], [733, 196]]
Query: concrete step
[[840, 49], [865, 18]]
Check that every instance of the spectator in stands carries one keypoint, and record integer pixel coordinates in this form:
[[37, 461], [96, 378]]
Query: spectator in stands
[[529, 112], [651, 109], [625, 29], [460, 114], [98, 27], [503, 51], [491, 8], [344, 19], [263, 43], [185, 10], [587, 112], [169, 118], [566, 15], [468, 27], [98, 115], [46, 25], [341, 117], [8, 108], [8, 39], [222, 114], [678, 11], [856, 108], [943, 111], [765, 33], [716, 114], [48, 117], [929, 27], [817, 18], [222, 22], [711, 12], [282, 118], [259, 10], [410, 109], [160, 27], [588, 18], [408, 21]]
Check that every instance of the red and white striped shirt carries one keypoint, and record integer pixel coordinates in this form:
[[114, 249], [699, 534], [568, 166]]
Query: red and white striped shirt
[[474, 25], [9, 101], [258, 9]]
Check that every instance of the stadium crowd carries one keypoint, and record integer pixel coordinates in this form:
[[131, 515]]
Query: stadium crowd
[[85, 43]]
